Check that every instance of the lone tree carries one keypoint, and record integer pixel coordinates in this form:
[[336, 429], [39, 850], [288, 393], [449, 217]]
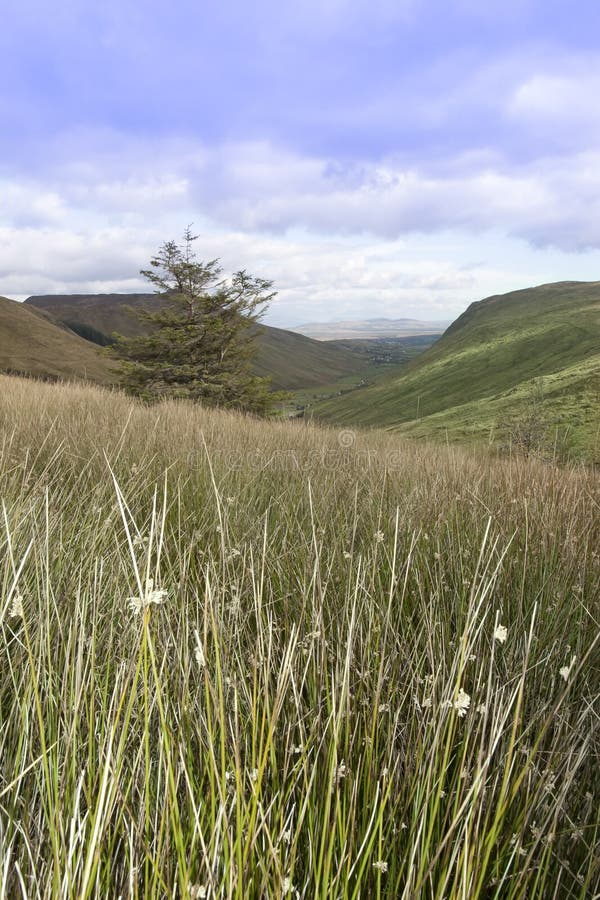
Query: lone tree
[[200, 343]]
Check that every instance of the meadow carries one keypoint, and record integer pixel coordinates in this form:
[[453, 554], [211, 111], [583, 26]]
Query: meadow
[[250, 659]]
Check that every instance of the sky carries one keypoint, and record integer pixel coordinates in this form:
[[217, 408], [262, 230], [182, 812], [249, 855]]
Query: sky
[[396, 158]]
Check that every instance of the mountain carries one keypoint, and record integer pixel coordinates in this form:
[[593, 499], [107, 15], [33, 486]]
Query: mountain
[[369, 329], [505, 355], [32, 344], [292, 360]]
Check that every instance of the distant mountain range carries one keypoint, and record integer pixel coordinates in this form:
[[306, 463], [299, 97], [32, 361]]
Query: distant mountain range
[[505, 355], [369, 329]]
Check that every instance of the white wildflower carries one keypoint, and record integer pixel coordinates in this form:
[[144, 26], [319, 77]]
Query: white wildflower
[[199, 651], [566, 670], [198, 891], [379, 537], [254, 775], [347, 555], [341, 772], [462, 703], [384, 707], [381, 866], [500, 633], [136, 604], [16, 607], [481, 709], [287, 887], [426, 702], [230, 500]]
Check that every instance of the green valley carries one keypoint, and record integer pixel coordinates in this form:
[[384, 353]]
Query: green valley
[[535, 351]]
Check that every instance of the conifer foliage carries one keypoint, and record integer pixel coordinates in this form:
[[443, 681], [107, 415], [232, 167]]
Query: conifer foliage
[[200, 344]]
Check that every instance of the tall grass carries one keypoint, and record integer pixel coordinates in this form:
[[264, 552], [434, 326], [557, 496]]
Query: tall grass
[[245, 659]]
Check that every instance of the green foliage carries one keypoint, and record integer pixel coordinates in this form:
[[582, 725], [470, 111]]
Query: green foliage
[[201, 341], [88, 332]]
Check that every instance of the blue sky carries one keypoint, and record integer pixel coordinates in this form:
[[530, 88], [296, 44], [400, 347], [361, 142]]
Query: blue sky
[[381, 158]]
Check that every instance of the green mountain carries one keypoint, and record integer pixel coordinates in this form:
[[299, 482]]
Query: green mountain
[[31, 343], [531, 353], [292, 360]]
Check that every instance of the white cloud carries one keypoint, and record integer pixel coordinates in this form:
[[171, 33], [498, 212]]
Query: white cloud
[[31, 202], [556, 98], [337, 239]]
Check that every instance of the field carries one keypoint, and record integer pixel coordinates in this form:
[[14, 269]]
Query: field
[[251, 659]]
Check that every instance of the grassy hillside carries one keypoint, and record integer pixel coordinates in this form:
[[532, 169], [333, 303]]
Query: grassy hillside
[[292, 360], [487, 368], [246, 659], [31, 343]]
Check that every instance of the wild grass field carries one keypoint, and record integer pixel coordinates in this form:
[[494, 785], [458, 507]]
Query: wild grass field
[[249, 659]]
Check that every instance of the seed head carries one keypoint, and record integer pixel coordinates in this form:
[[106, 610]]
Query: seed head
[[16, 607], [462, 703], [566, 670], [501, 633], [137, 604]]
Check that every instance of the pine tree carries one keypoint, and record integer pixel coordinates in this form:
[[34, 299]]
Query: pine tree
[[199, 345]]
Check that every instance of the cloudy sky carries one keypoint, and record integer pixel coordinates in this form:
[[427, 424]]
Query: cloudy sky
[[373, 157]]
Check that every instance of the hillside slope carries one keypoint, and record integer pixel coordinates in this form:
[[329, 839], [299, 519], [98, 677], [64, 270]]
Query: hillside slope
[[32, 344], [488, 365], [292, 360]]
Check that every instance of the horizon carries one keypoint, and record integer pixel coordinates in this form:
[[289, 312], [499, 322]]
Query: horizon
[[382, 160]]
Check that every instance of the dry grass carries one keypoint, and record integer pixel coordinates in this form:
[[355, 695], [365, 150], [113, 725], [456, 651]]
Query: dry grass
[[290, 718]]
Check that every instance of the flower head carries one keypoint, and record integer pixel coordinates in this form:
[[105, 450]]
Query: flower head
[[380, 866], [16, 607], [379, 537], [137, 604], [566, 670], [199, 650], [462, 703], [500, 633]]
